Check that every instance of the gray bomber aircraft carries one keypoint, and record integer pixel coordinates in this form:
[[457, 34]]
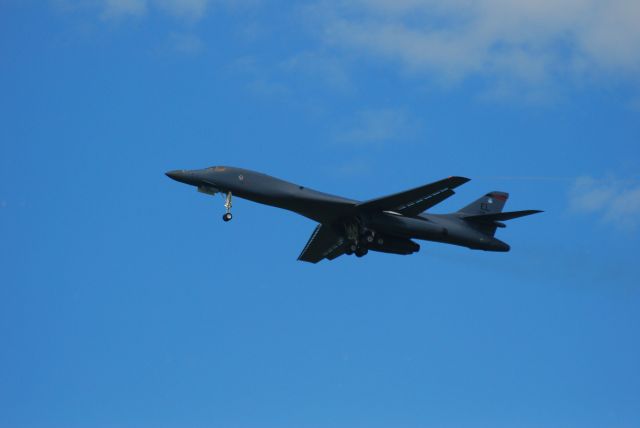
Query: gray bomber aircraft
[[387, 224]]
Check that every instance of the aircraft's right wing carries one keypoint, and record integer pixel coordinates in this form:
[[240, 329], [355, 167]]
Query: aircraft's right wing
[[324, 243], [414, 201]]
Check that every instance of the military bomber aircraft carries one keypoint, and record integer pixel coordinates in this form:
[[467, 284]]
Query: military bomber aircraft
[[387, 224]]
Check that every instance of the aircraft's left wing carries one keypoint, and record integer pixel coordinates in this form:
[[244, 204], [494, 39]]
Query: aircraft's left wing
[[324, 243], [414, 201]]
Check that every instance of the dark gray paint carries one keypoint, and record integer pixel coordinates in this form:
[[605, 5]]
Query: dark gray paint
[[347, 225]]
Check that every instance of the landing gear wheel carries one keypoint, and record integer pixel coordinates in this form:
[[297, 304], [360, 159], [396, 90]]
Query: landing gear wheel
[[360, 252], [380, 241], [227, 217], [369, 238]]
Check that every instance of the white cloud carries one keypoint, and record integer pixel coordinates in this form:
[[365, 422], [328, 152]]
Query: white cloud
[[377, 126], [529, 41], [120, 8], [616, 201]]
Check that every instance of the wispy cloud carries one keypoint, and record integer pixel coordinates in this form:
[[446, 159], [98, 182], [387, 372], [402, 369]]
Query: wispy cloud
[[353, 168], [529, 41], [192, 10], [189, 10], [377, 126], [615, 201], [121, 8], [329, 70], [259, 78], [185, 43], [268, 88], [290, 77]]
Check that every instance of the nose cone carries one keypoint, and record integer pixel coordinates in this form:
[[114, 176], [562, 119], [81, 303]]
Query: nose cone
[[183, 176], [178, 175]]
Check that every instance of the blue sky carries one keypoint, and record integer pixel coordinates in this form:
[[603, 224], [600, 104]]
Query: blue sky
[[125, 301]]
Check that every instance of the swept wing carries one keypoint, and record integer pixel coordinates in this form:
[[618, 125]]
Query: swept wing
[[414, 201], [324, 242]]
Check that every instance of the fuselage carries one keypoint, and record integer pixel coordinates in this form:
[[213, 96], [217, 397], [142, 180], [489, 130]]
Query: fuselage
[[336, 211]]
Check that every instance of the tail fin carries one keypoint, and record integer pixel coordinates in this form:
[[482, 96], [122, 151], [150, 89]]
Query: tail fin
[[491, 203]]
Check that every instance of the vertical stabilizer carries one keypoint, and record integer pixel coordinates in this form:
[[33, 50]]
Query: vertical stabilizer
[[491, 203]]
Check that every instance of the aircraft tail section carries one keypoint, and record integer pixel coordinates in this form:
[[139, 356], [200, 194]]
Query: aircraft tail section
[[486, 215], [509, 215], [491, 203], [489, 223]]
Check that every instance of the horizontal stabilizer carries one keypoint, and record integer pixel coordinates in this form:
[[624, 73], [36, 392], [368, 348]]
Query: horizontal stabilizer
[[509, 215]]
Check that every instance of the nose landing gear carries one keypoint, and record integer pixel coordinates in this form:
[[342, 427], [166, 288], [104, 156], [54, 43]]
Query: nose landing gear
[[227, 206]]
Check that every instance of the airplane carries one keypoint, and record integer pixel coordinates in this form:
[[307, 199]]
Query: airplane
[[387, 224]]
